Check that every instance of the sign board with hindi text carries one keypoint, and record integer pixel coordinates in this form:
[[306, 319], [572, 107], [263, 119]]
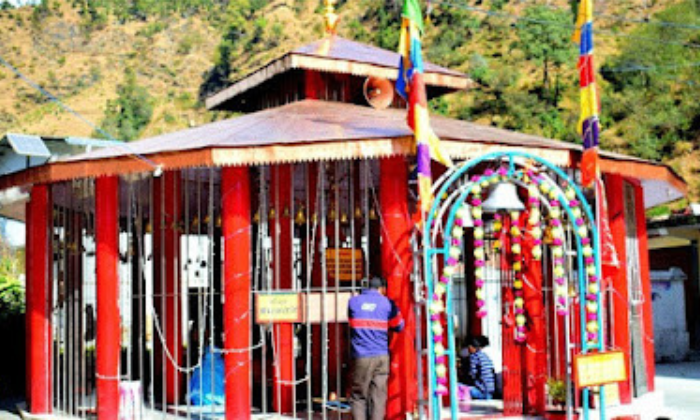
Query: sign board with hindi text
[[595, 369], [344, 264], [278, 307]]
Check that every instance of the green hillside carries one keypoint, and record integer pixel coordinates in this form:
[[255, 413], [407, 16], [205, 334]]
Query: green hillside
[[142, 67]]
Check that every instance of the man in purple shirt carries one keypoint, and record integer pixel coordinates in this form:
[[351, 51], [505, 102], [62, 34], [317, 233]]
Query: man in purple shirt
[[371, 316]]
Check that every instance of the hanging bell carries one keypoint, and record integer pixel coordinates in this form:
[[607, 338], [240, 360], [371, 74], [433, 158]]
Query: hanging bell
[[286, 213], [503, 196], [358, 212], [256, 217], [548, 236], [344, 218], [300, 218], [272, 213], [372, 214], [332, 214]]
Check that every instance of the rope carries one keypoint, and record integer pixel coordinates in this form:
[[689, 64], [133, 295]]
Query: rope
[[176, 365]]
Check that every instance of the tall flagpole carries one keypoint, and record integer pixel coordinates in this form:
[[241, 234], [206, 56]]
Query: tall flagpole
[[589, 126]]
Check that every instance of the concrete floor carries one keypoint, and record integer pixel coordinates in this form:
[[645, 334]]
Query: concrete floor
[[680, 384]]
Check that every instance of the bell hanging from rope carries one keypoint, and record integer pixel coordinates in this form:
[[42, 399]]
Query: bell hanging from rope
[[300, 217], [503, 196]]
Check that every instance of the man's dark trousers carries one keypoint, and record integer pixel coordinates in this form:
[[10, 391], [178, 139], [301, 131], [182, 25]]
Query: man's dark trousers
[[369, 387]]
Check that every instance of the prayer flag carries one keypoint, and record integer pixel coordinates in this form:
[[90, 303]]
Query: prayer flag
[[589, 125], [410, 85]]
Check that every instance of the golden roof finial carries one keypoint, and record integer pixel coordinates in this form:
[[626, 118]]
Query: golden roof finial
[[329, 16]]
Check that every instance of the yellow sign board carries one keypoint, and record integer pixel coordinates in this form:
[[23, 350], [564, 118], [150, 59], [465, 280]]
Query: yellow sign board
[[278, 307], [599, 368], [343, 263]]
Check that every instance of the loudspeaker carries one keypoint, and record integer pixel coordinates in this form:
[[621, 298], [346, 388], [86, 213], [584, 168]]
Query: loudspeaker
[[379, 92]]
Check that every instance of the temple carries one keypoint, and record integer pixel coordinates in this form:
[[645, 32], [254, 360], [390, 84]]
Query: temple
[[208, 270]]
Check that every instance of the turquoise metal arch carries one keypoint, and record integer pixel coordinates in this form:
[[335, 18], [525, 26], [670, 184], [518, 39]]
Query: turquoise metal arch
[[429, 252]]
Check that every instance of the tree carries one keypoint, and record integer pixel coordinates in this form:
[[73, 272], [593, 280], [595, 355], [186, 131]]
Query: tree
[[655, 86], [11, 288], [544, 36], [128, 114]]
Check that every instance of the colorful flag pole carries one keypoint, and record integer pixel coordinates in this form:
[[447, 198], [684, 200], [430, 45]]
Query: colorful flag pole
[[589, 125], [410, 86], [589, 128]]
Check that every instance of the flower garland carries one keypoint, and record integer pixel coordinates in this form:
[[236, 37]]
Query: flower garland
[[593, 286], [553, 194], [479, 252], [534, 220], [517, 266], [437, 306]]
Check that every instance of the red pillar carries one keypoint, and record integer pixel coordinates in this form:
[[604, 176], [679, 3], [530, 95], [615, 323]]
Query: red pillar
[[235, 215], [646, 284], [312, 84], [512, 352], [536, 351], [108, 328], [166, 251], [396, 267], [281, 231], [615, 192], [38, 295]]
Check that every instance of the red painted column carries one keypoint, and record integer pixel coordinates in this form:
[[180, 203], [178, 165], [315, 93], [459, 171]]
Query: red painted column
[[29, 304], [536, 351], [235, 215], [312, 84], [38, 303], [512, 351], [167, 206], [108, 323], [396, 267], [281, 231], [615, 192], [646, 284]]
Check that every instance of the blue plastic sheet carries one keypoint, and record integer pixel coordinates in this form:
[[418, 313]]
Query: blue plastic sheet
[[207, 381]]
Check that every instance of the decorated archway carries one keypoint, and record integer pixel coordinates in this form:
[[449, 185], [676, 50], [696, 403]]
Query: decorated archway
[[567, 237]]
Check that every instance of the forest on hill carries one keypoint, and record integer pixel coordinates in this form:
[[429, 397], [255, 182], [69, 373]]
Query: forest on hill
[[143, 67]]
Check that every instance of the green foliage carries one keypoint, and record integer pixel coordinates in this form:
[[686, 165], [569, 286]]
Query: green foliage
[[128, 114], [387, 22], [236, 18], [547, 45], [556, 389], [655, 87], [11, 288], [152, 29], [41, 11], [658, 211]]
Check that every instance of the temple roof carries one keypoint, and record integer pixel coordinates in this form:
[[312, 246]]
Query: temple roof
[[320, 131], [339, 55]]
